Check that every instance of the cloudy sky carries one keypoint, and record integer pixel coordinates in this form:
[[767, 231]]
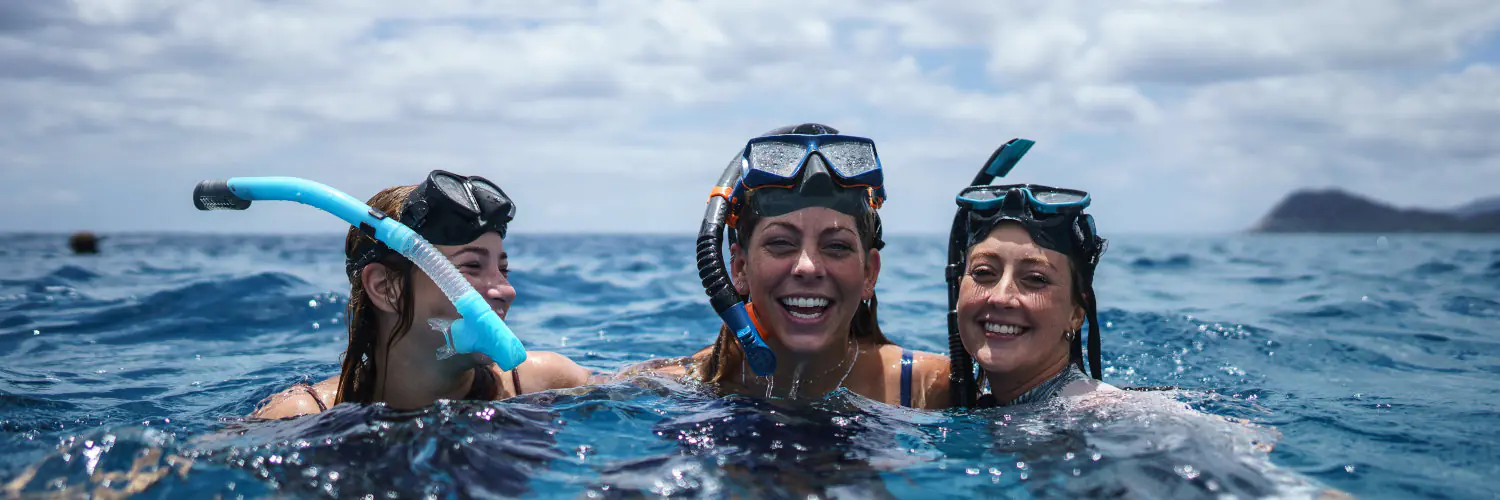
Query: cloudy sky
[[1180, 116]]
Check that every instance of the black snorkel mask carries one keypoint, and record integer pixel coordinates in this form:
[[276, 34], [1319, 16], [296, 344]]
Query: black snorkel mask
[[790, 168], [446, 209], [1053, 216]]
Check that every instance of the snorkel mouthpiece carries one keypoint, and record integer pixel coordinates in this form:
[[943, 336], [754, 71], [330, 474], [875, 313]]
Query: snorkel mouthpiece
[[479, 330]]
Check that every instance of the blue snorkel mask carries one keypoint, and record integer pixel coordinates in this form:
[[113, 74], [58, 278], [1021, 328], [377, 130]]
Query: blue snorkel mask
[[787, 169], [1053, 216]]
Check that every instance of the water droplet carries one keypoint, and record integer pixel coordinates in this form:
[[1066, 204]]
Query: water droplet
[[316, 325], [1349, 468], [312, 303], [972, 471], [1382, 242]]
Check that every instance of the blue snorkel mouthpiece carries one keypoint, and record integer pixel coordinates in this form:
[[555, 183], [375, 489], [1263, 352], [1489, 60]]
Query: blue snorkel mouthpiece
[[480, 329]]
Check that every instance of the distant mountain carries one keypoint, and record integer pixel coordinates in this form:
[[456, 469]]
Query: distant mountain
[[1477, 207], [1336, 211]]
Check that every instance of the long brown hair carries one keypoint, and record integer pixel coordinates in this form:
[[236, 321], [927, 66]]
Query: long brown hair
[[360, 368], [865, 325]]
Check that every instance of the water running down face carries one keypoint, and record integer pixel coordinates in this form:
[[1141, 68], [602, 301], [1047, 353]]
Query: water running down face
[[806, 273], [1015, 304]]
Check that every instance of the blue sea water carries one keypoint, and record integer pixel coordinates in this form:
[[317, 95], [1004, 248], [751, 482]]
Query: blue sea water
[[1354, 363]]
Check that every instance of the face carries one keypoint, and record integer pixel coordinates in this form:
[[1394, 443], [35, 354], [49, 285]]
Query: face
[[1015, 303], [483, 262], [805, 273]]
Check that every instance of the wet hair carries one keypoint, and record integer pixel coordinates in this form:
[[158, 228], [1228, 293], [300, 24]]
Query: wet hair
[[727, 354]]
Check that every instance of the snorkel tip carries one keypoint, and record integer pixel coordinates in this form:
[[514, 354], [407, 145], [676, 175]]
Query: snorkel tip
[[1005, 158], [217, 195]]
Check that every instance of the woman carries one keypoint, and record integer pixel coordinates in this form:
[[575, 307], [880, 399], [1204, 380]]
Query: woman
[[805, 257], [392, 354], [1021, 271]]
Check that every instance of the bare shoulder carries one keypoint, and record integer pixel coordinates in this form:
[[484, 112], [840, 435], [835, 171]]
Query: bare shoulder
[[677, 367], [929, 376], [298, 400], [544, 370]]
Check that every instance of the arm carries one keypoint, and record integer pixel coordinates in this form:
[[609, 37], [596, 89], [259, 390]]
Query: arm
[[298, 400], [549, 370]]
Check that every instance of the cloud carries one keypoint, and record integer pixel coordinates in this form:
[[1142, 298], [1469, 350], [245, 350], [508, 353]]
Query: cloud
[[615, 116]]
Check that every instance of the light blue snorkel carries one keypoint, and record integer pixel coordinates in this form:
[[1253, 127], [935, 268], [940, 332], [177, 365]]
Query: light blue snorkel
[[480, 330]]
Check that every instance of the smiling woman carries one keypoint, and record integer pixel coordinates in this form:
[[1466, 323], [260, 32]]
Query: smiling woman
[[391, 357], [805, 258]]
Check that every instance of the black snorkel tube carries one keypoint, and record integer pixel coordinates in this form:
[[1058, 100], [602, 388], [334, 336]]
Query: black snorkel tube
[[962, 373], [715, 275]]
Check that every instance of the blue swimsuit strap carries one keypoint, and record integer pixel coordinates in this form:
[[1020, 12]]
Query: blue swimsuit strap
[[906, 377]]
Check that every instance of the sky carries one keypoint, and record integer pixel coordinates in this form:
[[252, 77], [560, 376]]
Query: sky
[[1185, 116]]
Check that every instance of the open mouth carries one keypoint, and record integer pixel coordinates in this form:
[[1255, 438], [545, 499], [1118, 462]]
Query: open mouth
[[805, 308], [1003, 330]]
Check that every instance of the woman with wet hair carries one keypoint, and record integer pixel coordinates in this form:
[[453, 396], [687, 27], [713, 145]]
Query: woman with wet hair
[[393, 339]]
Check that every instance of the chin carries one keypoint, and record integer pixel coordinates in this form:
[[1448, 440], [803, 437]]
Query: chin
[[806, 343]]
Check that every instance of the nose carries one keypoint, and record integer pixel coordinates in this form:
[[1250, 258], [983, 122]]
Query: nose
[[496, 288], [1006, 293], [808, 266]]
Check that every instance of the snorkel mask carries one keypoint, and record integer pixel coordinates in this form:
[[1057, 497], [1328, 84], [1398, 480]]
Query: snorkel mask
[[446, 209], [1053, 216], [787, 169]]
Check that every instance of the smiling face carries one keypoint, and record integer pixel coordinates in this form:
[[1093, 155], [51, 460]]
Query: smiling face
[[805, 273], [1015, 303], [486, 266]]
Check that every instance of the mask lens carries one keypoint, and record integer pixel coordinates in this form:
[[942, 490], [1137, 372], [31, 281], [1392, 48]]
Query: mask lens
[[454, 190], [490, 198], [982, 195], [1057, 197], [850, 158], [777, 158]]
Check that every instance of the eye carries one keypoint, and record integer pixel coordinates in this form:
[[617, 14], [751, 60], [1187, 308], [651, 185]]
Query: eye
[[469, 266], [983, 274], [780, 244], [839, 246], [1037, 280], [505, 271]]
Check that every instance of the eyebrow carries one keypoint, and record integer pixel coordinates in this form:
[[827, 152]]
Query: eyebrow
[[790, 227], [1028, 260], [478, 251]]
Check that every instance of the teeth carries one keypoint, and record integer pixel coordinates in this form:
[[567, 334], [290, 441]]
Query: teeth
[[805, 301], [1002, 329]]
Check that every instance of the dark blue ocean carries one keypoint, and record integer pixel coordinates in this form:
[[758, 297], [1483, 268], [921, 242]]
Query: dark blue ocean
[[1355, 364]]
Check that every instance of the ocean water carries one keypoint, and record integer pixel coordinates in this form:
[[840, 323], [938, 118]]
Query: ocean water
[[1301, 364]]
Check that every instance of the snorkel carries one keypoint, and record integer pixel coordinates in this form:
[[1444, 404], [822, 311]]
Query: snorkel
[[1054, 217], [479, 330], [715, 275]]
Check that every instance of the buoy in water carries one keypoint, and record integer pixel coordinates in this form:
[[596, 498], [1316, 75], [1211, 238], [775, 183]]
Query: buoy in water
[[84, 242]]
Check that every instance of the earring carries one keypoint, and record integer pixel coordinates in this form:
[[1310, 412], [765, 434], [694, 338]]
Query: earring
[[1070, 335]]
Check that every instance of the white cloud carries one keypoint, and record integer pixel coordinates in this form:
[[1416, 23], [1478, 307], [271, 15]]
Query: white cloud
[[1156, 106]]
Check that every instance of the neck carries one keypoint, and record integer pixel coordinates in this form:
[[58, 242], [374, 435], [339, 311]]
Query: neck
[[1009, 386], [412, 377], [804, 375]]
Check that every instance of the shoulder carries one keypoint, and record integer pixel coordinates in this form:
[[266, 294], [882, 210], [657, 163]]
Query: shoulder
[[929, 375], [544, 370], [677, 367], [298, 400]]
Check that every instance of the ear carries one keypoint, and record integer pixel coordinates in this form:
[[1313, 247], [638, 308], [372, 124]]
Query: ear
[[872, 274], [1079, 315], [382, 286], [737, 269]]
